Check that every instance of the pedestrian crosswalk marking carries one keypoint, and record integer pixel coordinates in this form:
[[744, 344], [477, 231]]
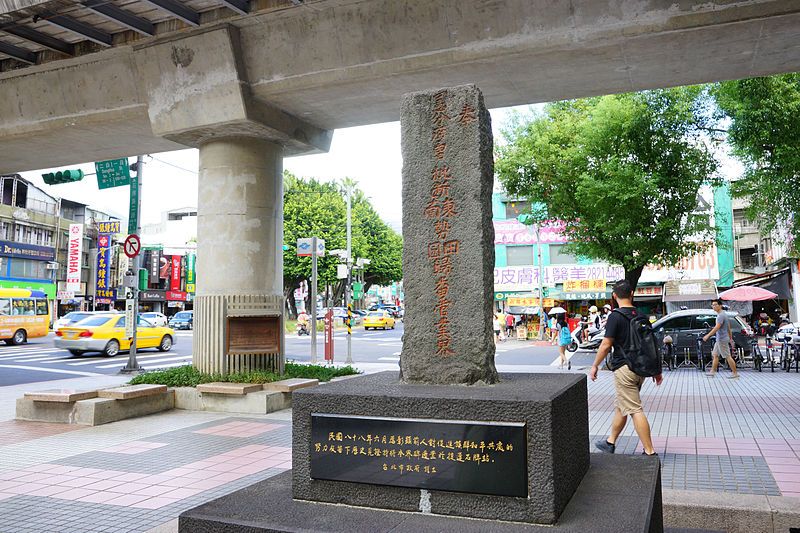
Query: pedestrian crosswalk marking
[[146, 360]]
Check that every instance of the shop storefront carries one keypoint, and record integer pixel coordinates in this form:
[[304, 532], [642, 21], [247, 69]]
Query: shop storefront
[[152, 300]]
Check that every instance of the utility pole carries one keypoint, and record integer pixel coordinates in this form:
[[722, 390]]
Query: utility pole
[[349, 264], [313, 303], [133, 365], [541, 288]]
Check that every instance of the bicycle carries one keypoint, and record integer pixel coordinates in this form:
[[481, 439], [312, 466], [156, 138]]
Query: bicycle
[[770, 357], [755, 352], [701, 363]]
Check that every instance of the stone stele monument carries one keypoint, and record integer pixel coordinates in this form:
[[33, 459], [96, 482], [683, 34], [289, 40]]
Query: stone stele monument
[[447, 441]]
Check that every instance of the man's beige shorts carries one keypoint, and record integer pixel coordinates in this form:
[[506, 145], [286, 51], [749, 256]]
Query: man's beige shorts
[[628, 385], [721, 349]]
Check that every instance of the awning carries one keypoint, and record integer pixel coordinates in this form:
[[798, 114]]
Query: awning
[[689, 291], [777, 281]]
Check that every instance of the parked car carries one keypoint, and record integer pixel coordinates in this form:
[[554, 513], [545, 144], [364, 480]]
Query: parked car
[[379, 319], [106, 333], [182, 320], [157, 319], [76, 316], [396, 311], [684, 326], [787, 331]]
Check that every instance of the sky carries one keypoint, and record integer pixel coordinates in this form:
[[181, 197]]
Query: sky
[[368, 154]]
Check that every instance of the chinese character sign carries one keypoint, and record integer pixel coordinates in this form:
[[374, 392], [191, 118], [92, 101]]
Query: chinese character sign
[[175, 273], [190, 261], [585, 285], [513, 232], [103, 281], [524, 278]]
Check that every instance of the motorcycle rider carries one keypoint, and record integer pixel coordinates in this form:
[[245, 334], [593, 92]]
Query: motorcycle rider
[[302, 323], [593, 323]]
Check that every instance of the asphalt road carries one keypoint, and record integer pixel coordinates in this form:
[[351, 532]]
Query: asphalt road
[[39, 360]]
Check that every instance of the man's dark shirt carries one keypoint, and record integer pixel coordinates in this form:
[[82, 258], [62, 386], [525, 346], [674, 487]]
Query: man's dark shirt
[[617, 328]]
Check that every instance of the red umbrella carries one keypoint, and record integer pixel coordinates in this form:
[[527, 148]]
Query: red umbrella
[[747, 293]]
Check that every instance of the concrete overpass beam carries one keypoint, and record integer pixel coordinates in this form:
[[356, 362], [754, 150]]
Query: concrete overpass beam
[[239, 254], [197, 91]]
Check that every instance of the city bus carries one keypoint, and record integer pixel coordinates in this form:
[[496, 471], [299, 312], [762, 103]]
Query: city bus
[[24, 314]]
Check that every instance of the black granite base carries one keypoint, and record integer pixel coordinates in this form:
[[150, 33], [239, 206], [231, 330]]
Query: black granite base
[[551, 457], [618, 493]]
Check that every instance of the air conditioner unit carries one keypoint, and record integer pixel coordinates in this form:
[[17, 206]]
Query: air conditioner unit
[[52, 265]]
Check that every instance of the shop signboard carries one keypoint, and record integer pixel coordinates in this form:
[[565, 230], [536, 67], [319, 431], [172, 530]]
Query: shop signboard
[[190, 260], [65, 295], [105, 296], [584, 285], [606, 295], [648, 291], [529, 301], [524, 278], [103, 270], [27, 251], [108, 226], [155, 264], [702, 266], [176, 296], [175, 273], [47, 287], [152, 295], [513, 232], [123, 263], [74, 257]]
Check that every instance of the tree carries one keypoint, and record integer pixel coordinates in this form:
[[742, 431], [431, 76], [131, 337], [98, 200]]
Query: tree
[[763, 133], [622, 172], [313, 208]]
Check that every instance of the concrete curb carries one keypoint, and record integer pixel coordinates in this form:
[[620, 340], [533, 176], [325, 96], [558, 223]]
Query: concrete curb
[[730, 512], [254, 403]]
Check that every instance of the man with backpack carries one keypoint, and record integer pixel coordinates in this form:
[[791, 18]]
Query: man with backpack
[[635, 357]]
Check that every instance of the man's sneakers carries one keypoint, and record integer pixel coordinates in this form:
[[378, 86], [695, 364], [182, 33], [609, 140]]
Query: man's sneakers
[[605, 446]]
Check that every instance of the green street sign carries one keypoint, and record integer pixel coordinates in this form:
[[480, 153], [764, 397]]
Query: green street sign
[[133, 212], [114, 173], [358, 290]]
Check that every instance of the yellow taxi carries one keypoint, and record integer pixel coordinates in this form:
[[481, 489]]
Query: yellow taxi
[[106, 334], [378, 319]]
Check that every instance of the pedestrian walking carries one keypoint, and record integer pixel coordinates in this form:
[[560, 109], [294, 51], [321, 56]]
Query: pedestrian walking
[[722, 344], [564, 338], [496, 328], [627, 384], [509, 325]]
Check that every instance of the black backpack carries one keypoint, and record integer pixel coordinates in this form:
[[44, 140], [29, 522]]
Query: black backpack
[[641, 349]]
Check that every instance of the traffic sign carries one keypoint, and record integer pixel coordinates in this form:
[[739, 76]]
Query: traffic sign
[[114, 173], [304, 247], [132, 245]]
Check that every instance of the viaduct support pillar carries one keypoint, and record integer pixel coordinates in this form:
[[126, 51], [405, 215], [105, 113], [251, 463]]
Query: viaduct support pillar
[[239, 254]]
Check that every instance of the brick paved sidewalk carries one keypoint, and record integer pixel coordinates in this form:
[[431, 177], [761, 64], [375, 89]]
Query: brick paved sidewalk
[[732, 436], [715, 434]]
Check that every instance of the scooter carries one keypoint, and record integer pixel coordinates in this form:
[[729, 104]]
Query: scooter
[[302, 329], [592, 343]]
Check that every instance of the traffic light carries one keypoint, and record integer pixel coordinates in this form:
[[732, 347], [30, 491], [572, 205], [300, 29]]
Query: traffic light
[[62, 176]]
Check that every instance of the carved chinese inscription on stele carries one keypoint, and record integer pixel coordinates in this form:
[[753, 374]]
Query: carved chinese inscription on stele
[[447, 260], [476, 457]]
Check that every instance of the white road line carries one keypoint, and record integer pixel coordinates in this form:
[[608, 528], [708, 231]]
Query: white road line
[[26, 351], [396, 353], [557, 361], [388, 358], [173, 365], [83, 359], [167, 359], [37, 358], [53, 370], [139, 355], [390, 344]]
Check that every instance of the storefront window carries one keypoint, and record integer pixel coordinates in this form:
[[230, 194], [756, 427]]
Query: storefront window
[[514, 209]]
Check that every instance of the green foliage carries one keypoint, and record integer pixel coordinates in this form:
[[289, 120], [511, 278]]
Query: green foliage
[[189, 376], [763, 133], [315, 208], [622, 171]]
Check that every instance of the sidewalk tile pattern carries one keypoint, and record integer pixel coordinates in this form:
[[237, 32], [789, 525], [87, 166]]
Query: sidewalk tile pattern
[[114, 490], [14, 431]]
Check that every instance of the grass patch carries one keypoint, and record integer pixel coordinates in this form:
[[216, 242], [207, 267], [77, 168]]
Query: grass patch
[[189, 376]]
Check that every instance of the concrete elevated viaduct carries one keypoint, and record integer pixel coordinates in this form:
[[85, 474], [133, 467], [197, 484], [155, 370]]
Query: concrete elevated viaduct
[[252, 88]]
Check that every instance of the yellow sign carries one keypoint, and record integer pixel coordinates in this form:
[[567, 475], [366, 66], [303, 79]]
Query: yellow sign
[[528, 301], [585, 285]]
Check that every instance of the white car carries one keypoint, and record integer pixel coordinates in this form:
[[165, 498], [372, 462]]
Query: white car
[[157, 319], [787, 331], [76, 316]]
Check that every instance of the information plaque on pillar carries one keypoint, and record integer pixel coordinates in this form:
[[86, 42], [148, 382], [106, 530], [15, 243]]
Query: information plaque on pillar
[[459, 456]]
